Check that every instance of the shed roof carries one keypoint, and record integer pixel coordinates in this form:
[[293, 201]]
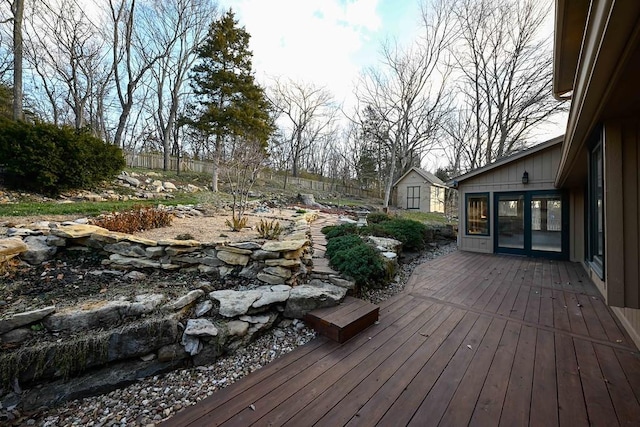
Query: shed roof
[[506, 160], [423, 173]]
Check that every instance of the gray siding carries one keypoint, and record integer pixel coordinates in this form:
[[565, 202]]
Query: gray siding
[[541, 166]]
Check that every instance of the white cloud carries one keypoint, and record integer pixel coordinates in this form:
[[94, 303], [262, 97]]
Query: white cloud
[[309, 40]]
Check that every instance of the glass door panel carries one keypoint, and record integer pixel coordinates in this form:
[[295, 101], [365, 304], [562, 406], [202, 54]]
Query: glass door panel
[[511, 221], [546, 223]]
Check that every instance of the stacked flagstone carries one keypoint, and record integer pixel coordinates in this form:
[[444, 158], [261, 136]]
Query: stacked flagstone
[[105, 343]]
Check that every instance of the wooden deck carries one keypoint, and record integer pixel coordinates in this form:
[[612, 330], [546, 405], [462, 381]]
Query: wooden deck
[[475, 339]]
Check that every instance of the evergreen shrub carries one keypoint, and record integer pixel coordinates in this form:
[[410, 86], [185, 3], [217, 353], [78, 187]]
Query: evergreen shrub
[[333, 231], [377, 217], [48, 159], [350, 255], [412, 234]]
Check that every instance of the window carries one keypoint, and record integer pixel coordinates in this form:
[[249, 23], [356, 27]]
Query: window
[[477, 214], [596, 209], [413, 197]]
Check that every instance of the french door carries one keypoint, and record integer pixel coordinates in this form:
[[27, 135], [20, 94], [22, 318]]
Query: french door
[[532, 223]]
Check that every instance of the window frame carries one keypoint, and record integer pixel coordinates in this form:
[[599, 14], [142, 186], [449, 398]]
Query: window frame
[[487, 198], [595, 195]]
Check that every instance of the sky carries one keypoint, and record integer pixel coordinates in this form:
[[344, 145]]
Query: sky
[[329, 42], [324, 42]]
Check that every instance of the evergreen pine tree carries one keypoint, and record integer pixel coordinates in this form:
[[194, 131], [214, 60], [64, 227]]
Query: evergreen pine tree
[[231, 105]]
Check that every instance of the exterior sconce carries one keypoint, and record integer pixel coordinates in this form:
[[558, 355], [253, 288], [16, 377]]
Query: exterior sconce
[[525, 177]]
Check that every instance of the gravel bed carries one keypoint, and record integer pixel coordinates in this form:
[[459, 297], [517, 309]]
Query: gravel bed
[[154, 399]]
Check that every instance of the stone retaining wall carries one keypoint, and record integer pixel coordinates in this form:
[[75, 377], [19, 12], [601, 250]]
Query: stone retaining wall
[[101, 344]]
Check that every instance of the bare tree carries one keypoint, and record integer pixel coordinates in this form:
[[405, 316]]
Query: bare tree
[[407, 94], [135, 50], [67, 53], [17, 18], [306, 112], [182, 27], [241, 171], [505, 66]]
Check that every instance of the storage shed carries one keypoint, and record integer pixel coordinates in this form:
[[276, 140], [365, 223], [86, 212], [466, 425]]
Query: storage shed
[[513, 206], [420, 190]]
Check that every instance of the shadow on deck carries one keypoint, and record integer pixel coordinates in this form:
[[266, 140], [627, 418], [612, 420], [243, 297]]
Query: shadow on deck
[[473, 340]]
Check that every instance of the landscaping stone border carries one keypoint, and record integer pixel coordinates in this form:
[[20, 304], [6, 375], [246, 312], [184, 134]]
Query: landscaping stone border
[[109, 343]]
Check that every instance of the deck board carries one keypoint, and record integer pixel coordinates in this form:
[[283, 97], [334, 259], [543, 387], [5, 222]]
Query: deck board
[[473, 340]]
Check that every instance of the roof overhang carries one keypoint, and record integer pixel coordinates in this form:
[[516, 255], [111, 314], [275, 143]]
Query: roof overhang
[[610, 35], [506, 160], [570, 19]]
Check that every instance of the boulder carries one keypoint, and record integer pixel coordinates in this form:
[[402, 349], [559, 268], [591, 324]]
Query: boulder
[[203, 308], [270, 279], [285, 245], [134, 182], [169, 186], [185, 300], [237, 328], [232, 258], [260, 255], [316, 294], [144, 304], [308, 200], [11, 246], [141, 338], [77, 231], [233, 249], [39, 251], [272, 297], [180, 250], [384, 244], [200, 328], [285, 273], [25, 318], [102, 381], [88, 316], [234, 303], [126, 249]]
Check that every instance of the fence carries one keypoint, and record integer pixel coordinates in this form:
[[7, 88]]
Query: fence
[[156, 161]]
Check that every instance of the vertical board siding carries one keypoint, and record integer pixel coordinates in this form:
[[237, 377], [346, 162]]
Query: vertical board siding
[[541, 166]]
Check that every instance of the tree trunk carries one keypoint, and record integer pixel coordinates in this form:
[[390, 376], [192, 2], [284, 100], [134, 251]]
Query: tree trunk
[[216, 165], [18, 13]]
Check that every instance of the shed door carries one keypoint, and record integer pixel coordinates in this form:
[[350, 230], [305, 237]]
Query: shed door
[[413, 197]]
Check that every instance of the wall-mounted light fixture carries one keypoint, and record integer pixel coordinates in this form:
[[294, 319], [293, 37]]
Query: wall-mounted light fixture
[[525, 177]]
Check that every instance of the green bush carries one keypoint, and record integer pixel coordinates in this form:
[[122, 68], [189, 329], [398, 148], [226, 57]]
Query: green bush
[[412, 234], [340, 243], [377, 217], [362, 263], [333, 231], [48, 159]]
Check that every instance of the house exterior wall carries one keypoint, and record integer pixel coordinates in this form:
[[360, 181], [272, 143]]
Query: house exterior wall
[[541, 166], [622, 221], [414, 179], [620, 284]]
